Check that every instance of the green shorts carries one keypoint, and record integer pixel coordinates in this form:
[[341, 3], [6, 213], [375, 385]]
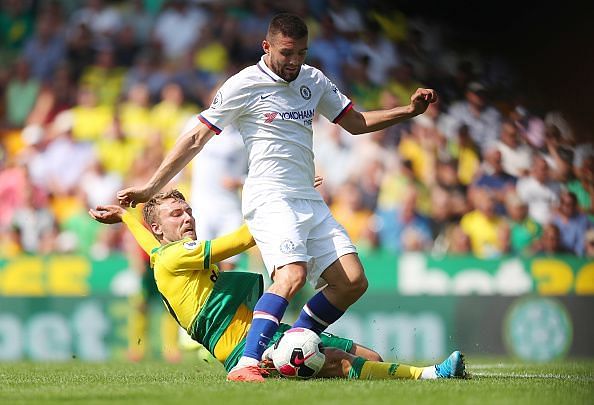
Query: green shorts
[[328, 340]]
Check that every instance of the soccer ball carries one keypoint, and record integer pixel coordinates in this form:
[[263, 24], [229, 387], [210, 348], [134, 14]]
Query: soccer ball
[[298, 354]]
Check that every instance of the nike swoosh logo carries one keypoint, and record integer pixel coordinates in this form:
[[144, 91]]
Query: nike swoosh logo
[[299, 361], [265, 97]]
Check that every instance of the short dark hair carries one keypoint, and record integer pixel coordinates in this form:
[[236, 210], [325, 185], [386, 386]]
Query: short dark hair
[[149, 210], [290, 25]]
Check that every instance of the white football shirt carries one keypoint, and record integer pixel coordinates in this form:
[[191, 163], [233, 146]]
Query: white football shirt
[[275, 118]]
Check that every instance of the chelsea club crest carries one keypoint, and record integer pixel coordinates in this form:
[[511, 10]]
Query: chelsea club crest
[[305, 92]]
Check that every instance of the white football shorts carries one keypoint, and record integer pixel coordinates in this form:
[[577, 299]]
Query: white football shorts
[[298, 230]]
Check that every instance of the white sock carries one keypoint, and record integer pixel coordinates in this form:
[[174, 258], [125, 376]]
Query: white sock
[[244, 362], [428, 373]]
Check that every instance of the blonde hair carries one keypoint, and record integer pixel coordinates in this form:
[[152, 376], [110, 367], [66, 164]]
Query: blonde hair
[[149, 210]]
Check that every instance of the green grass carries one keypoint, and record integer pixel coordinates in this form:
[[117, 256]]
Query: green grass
[[493, 382]]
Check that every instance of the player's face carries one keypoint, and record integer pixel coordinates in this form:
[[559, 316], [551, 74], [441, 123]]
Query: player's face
[[175, 221], [284, 55]]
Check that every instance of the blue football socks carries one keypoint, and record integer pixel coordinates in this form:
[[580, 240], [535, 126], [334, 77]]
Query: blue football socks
[[267, 315], [318, 314]]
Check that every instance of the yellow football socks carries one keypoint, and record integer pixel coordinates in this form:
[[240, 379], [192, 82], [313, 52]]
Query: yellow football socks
[[374, 370]]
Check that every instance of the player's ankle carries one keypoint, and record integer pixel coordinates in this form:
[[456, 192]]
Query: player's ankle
[[245, 362], [428, 373]]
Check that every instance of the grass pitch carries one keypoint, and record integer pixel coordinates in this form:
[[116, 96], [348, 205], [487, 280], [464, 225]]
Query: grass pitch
[[493, 382]]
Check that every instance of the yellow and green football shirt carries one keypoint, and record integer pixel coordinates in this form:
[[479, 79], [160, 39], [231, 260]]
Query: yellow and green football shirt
[[214, 307]]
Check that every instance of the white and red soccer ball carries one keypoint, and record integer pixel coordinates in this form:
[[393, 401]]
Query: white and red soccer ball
[[298, 354]]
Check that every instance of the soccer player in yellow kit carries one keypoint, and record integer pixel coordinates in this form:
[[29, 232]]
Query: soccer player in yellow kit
[[216, 308]]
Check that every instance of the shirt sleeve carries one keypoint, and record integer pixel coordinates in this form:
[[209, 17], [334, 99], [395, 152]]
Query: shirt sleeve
[[227, 105], [231, 244], [333, 104], [192, 255], [143, 236]]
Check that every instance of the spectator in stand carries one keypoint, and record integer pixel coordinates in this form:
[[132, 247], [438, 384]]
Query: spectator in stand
[[493, 178], [331, 50], [104, 78], [21, 92], [583, 186], [516, 156], [88, 120], [116, 151], [100, 186], [16, 26], [524, 231], [458, 242], [136, 16], [589, 253], [54, 97], [380, 52], [147, 70], [572, 224], [135, 115], [442, 220], [550, 242], [482, 119], [348, 210], [488, 231], [178, 28], [126, 47], [80, 49], [539, 191], [446, 179], [420, 147], [65, 160], [171, 113], [46, 49], [403, 82], [394, 185], [558, 153], [404, 229], [13, 180], [103, 21], [34, 222], [466, 152]]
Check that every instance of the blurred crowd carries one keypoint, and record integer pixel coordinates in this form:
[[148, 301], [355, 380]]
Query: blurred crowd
[[94, 93]]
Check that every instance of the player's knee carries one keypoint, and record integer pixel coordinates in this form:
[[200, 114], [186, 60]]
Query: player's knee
[[289, 280], [374, 356], [356, 287]]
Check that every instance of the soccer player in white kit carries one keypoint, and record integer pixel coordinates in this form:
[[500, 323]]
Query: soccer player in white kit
[[272, 105]]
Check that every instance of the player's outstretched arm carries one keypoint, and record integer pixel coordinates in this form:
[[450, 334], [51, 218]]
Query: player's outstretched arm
[[187, 146], [369, 121], [113, 214], [107, 214], [231, 244]]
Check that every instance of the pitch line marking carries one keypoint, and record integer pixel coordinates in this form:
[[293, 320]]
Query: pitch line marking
[[528, 376]]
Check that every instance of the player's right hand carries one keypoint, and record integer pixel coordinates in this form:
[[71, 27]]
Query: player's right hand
[[318, 180], [107, 214], [131, 196]]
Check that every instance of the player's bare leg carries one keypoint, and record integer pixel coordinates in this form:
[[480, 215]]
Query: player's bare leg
[[346, 281]]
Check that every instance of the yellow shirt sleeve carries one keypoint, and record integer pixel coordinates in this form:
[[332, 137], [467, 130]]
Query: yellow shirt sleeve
[[143, 236], [231, 244]]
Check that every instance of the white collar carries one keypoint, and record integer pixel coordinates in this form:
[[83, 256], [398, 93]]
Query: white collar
[[276, 78], [266, 70]]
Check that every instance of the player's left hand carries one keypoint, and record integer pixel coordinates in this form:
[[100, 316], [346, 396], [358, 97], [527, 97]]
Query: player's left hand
[[421, 99], [107, 214]]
